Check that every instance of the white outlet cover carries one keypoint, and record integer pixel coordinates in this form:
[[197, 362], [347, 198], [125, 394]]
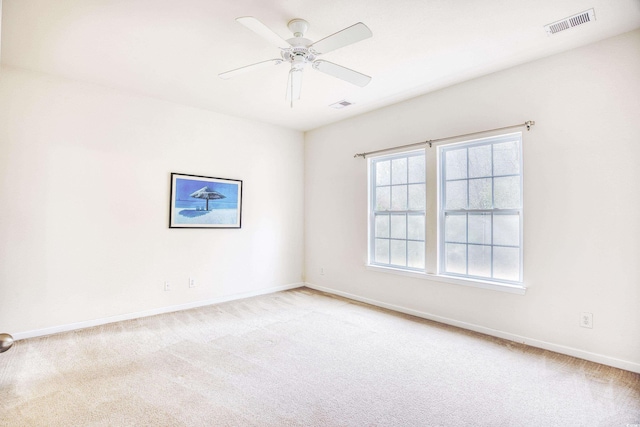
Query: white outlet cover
[[586, 320]]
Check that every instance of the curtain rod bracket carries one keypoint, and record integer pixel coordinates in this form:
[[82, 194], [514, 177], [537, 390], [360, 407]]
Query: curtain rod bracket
[[529, 123]]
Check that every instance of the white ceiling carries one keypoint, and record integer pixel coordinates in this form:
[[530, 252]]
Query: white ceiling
[[173, 50]]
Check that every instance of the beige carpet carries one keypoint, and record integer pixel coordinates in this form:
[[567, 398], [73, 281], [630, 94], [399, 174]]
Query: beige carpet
[[302, 358]]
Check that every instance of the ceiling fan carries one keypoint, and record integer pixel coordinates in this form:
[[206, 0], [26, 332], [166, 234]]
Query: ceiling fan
[[299, 52]]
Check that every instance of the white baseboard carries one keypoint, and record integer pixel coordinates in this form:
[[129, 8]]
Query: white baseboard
[[570, 351], [152, 312]]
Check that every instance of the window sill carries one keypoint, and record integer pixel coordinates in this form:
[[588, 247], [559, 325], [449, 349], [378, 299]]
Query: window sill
[[494, 286]]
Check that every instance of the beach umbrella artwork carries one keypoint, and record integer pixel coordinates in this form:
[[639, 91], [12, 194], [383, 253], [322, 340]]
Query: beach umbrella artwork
[[207, 194]]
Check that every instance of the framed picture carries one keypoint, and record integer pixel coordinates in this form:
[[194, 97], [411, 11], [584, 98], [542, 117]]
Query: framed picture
[[205, 202]]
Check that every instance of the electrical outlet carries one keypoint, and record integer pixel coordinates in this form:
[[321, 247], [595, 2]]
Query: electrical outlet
[[192, 282], [586, 320], [167, 286]]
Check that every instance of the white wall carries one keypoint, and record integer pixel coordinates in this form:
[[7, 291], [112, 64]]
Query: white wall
[[582, 203], [84, 196]]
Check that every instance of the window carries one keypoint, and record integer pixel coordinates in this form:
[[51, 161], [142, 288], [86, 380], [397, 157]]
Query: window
[[474, 228], [480, 219], [397, 212]]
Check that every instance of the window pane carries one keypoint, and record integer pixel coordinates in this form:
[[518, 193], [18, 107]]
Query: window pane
[[456, 195], [415, 227], [383, 198], [480, 260], [507, 192], [399, 252], [417, 197], [417, 169], [383, 172], [415, 254], [480, 161], [455, 258], [382, 251], [480, 193], [480, 228], [506, 158], [399, 198], [382, 226], [399, 226], [506, 263], [455, 228], [399, 171], [506, 230], [456, 164]]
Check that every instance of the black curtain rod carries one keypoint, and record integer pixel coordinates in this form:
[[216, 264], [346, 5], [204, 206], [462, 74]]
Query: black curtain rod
[[528, 124]]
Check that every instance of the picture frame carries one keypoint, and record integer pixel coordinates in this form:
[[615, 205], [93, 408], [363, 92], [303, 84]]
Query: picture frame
[[205, 202]]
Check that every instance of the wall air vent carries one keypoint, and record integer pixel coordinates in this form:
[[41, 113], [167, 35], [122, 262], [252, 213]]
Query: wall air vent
[[341, 104], [570, 22]]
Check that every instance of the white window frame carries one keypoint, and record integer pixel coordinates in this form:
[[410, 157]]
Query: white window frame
[[434, 236], [373, 212], [443, 211]]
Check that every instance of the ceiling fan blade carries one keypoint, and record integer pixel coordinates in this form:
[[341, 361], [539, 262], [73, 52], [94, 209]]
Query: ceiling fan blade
[[342, 73], [294, 85], [263, 31], [232, 73], [342, 38]]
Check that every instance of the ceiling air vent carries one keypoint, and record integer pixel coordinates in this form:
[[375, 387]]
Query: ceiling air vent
[[570, 22], [341, 104]]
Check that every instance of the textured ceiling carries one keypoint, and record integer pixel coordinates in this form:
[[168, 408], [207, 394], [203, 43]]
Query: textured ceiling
[[174, 50]]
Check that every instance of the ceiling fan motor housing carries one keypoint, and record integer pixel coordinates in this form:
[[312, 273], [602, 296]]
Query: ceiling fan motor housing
[[298, 54]]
